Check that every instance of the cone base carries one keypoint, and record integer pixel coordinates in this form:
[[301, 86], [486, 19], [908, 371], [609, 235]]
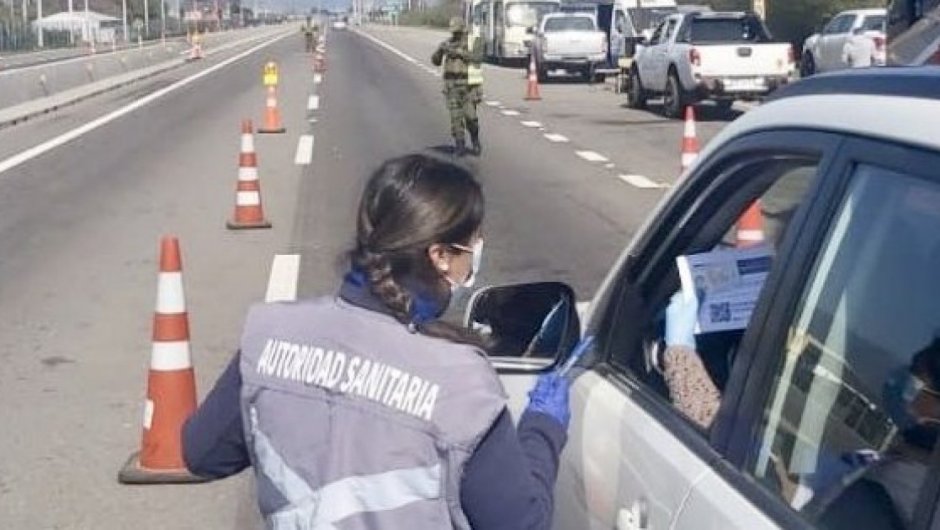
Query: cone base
[[235, 225], [133, 473], [281, 130]]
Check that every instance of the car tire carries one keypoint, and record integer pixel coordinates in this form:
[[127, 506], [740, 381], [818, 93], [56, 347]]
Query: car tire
[[636, 95], [675, 98], [807, 65]]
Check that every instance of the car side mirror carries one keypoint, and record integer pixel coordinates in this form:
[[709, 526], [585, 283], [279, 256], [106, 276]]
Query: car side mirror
[[858, 31], [534, 320], [530, 30]]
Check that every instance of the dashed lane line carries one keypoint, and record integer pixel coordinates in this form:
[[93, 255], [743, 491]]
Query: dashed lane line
[[511, 112], [40, 149], [556, 138], [304, 154], [313, 103], [317, 79], [493, 103], [591, 156], [282, 281], [532, 124], [640, 181]]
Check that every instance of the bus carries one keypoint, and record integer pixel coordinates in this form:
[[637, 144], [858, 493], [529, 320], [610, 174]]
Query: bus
[[505, 26]]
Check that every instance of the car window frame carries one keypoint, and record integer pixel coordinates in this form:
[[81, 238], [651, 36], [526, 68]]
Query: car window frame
[[661, 237], [741, 421]]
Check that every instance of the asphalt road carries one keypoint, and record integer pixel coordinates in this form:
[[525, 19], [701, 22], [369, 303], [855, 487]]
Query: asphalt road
[[81, 220]]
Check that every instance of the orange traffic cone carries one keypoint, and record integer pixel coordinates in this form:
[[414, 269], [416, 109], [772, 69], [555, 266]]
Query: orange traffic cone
[[171, 384], [272, 116], [690, 147], [248, 210], [532, 85], [751, 226]]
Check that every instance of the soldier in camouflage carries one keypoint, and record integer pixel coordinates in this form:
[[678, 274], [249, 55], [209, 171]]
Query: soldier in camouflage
[[457, 59]]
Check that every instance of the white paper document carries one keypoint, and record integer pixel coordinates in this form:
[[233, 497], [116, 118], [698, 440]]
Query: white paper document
[[727, 282]]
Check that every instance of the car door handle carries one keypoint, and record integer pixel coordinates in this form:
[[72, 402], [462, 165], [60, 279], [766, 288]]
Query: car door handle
[[634, 518]]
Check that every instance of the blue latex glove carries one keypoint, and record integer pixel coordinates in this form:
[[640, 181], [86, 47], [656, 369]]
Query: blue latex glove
[[681, 317], [550, 397]]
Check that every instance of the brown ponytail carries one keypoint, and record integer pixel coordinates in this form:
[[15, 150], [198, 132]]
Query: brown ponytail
[[409, 204]]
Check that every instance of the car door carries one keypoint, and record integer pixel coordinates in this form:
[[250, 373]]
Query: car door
[[648, 63], [833, 41], [822, 431], [619, 31], [659, 60], [633, 457]]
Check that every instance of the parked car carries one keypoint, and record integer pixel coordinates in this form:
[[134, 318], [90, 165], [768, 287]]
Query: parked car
[[724, 56], [825, 51], [569, 42], [829, 404]]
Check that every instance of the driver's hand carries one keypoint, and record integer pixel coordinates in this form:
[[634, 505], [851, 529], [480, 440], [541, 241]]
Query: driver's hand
[[681, 317]]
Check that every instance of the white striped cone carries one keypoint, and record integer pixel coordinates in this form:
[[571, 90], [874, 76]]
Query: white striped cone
[[750, 229], [171, 384], [249, 212], [690, 145]]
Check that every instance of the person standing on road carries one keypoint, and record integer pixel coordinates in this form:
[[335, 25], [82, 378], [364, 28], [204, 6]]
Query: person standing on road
[[859, 50], [455, 56], [364, 410]]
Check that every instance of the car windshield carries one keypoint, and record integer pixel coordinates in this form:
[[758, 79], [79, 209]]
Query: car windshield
[[874, 23], [730, 29], [528, 14], [569, 24]]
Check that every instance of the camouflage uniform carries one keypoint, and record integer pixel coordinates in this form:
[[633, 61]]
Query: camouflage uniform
[[455, 56]]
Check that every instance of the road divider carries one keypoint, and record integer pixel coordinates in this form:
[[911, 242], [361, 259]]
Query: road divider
[[40, 149], [32, 91]]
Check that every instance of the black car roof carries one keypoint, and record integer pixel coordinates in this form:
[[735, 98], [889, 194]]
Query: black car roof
[[915, 82]]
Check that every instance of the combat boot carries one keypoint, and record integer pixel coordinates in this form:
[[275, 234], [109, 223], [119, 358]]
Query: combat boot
[[461, 148], [475, 141]]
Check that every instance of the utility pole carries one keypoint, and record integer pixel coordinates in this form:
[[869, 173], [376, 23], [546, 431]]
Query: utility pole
[[146, 18], [39, 22], [72, 25], [124, 19]]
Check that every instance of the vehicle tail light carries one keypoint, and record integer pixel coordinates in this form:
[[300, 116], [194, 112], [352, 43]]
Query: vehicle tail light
[[695, 57]]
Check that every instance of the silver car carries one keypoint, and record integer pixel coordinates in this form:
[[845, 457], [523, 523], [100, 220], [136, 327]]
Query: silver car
[[829, 392]]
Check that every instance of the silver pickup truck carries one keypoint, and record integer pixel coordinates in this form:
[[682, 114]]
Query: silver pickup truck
[[569, 42]]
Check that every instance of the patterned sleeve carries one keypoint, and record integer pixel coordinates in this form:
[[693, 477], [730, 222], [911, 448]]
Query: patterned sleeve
[[690, 387]]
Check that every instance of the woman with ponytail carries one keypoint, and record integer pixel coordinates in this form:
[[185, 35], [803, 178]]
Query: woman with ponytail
[[365, 410]]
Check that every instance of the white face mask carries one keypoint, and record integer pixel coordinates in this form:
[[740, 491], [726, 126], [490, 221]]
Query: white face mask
[[476, 261]]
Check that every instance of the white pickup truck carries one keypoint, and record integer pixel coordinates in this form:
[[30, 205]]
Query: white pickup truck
[[570, 42], [713, 55]]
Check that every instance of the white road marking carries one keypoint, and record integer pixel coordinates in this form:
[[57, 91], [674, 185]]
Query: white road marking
[[282, 282], [388, 47], [493, 103], [304, 150], [317, 79], [532, 124], [556, 138], [591, 156], [45, 147], [313, 103], [640, 181], [611, 165], [510, 112]]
